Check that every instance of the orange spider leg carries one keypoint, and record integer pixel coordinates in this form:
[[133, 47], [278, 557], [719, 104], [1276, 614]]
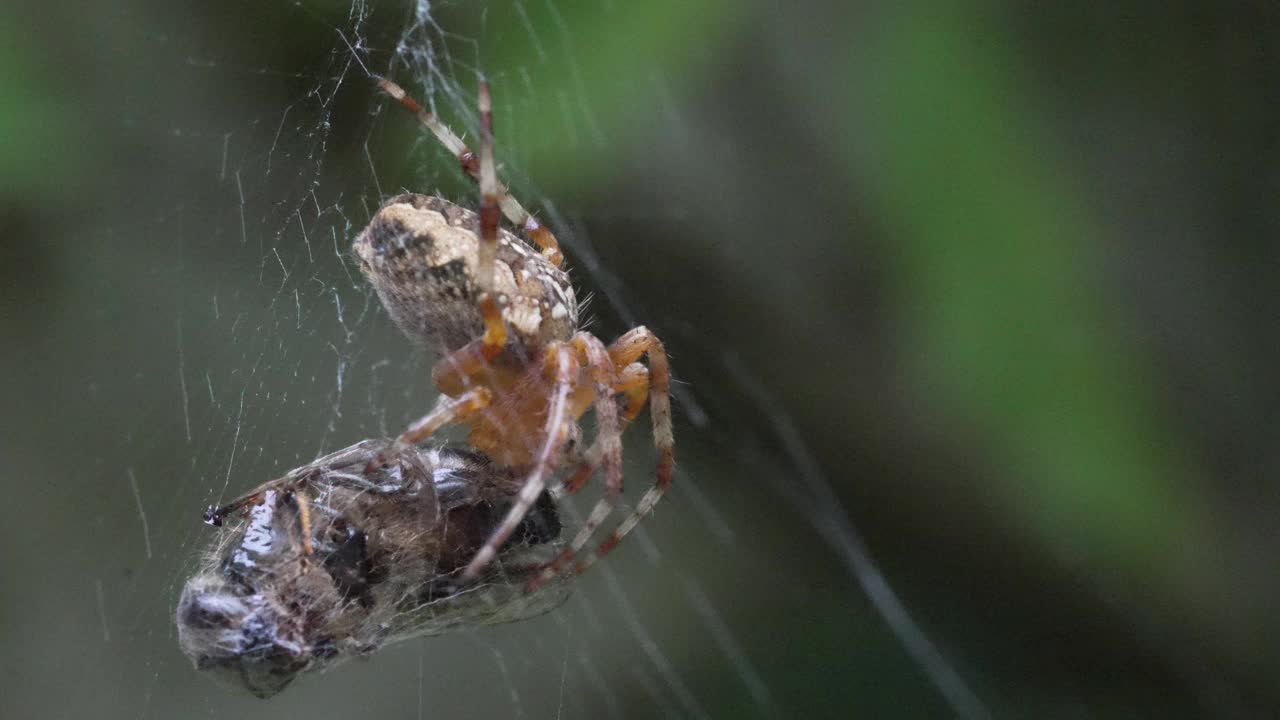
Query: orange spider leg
[[452, 142], [454, 371], [515, 212], [608, 439], [623, 352], [634, 384], [534, 230], [489, 213], [447, 410], [562, 363], [495, 333]]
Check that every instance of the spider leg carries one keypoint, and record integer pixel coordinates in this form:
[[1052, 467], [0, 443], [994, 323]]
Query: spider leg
[[495, 333], [560, 360], [609, 442], [634, 384], [535, 231], [456, 371], [447, 410], [451, 373], [624, 351], [488, 194]]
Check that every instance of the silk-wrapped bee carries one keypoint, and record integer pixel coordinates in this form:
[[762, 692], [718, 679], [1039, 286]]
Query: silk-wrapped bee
[[342, 556]]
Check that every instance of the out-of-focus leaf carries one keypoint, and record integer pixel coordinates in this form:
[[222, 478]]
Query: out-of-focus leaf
[[33, 160], [587, 73], [1013, 333]]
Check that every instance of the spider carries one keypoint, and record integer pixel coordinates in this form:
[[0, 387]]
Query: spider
[[518, 369]]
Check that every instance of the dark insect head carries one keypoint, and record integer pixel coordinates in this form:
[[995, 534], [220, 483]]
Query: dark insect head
[[237, 637]]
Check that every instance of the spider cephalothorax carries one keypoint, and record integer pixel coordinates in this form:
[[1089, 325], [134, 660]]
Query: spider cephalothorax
[[517, 369]]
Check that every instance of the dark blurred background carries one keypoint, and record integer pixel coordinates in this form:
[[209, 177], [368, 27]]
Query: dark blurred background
[[1003, 276]]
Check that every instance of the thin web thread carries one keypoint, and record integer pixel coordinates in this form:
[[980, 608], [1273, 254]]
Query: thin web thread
[[833, 524]]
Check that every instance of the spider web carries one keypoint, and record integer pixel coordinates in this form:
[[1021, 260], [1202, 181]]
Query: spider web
[[267, 350]]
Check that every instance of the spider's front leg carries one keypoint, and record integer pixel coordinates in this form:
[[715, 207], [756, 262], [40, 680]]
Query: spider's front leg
[[448, 410], [536, 232], [450, 373], [454, 371]]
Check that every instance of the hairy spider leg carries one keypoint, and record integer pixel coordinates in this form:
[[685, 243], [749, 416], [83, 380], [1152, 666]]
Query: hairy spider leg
[[561, 361], [495, 333], [633, 383], [623, 352], [608, 444], [474, 355], [448, 410], [536, 232]]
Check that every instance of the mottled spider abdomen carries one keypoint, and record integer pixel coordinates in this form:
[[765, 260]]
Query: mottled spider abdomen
[[420, 254], [335, 560]]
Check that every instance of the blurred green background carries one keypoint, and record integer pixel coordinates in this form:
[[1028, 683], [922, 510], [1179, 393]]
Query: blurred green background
[[1009, 272]]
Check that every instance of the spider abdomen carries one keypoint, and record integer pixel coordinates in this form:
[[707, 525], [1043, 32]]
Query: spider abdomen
[[420, 254]]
